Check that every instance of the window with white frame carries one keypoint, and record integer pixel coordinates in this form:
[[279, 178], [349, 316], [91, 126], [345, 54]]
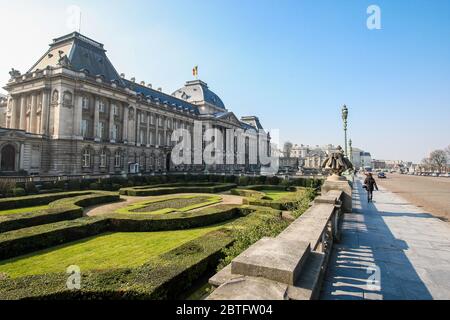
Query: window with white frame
[[115, 110], [117, 159], [115, 131], [101, 106], [152, 119], [86, 158], [103, 158], [142, 136], [101, 130], [85, 103], [151, 137], [84, 128]]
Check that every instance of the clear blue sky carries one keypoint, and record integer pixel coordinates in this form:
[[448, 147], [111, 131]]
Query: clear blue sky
[[292, 63]]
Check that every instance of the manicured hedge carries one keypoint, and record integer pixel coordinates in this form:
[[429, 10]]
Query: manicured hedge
[[167, 276], [59, 210], [18, 242], [37, 200], [256, 198], [152, 191], [173, 221]]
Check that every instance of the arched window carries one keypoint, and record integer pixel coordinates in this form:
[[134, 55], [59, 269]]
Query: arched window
[[8, 156], [104, 158], [86, 158]]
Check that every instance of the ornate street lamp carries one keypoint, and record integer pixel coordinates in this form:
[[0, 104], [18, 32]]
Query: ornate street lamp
[[344, 118], [350, 146]]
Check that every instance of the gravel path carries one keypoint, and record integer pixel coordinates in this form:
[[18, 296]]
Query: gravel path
[[429, 193], [126, 201]]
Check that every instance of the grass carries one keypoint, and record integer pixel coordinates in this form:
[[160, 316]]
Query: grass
[[170, 204], [276, 195], [23, 210], [107, 251]]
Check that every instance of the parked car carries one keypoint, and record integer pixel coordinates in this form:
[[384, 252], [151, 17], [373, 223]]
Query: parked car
[[381, 175]]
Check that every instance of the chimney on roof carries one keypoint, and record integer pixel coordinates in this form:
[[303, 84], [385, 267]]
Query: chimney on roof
[[133, 79]]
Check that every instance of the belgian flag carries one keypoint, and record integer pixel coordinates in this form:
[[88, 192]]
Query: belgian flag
[[195, 71]]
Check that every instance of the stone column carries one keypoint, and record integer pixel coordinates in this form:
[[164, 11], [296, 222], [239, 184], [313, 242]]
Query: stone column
[[157, 117], [96, 119], [23, 113], [33, 114], [125, 125], [111, 123], [148, 130], [78, 115], [132, 129], [44, 112], [14, 113], [165, 142]]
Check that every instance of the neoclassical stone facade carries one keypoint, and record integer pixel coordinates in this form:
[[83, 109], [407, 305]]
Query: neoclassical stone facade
[[73, 114]]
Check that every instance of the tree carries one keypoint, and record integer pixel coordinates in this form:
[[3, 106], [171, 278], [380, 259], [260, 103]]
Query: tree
[[287, 149], [438, 159], [426, 164]]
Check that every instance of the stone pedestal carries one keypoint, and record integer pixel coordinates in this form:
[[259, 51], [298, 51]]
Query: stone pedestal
[[341, 184]]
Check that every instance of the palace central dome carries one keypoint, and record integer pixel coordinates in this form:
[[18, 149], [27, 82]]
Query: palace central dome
[[198, 93]]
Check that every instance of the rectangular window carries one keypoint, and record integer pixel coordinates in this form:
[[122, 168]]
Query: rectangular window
[[101, 106], [117, 160], [141, 136], [85, 103], [84, 128], [114, 110], [152, 119], [101, 130], [115, 131]]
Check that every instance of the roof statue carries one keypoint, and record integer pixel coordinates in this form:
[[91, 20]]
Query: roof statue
[[14, 73], [337, 163]]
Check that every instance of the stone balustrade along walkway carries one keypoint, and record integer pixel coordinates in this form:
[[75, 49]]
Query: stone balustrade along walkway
[[390, 250]]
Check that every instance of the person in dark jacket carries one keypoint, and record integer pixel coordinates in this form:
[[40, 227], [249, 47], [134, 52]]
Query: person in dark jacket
[[370, 185]]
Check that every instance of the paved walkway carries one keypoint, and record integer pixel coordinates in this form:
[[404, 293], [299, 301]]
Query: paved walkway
[[390, 240]]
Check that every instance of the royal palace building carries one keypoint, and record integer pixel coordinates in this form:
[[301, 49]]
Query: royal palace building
[[72, 113]]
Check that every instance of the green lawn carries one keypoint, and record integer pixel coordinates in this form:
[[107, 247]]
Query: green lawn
[[170, 204], [23, 210], [276, 194], [111, 250]]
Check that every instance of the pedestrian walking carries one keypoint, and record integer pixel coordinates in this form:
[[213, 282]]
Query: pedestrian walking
[[370, 185]]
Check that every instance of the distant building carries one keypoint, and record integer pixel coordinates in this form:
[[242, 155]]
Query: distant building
[[378, 164], [361, 159]]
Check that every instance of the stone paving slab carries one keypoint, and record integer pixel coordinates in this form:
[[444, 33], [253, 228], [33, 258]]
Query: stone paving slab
[[390, 250]]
